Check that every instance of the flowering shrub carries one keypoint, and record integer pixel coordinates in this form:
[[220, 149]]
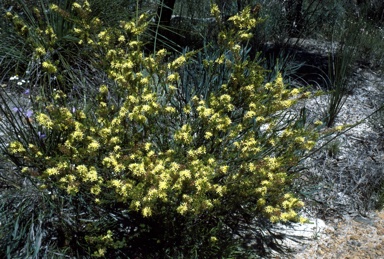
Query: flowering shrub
[[183, 170]]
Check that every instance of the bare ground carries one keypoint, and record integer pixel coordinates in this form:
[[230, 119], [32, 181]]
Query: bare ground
[[344, 180]]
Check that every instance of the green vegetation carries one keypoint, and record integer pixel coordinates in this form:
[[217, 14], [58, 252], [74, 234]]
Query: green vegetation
[[114, 147]]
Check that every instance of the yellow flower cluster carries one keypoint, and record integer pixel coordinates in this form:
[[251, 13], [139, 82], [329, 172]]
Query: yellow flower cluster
[[44, 120], [16, 147], [49, 67], [244, 21], [40, 51], [184, 134]]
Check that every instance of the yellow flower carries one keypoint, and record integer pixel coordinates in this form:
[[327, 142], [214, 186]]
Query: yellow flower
[[183, 208], [184, 134], [309, 145], [8, 15], [208, 135], [95, 189], [220, 190], [185, 174], [268, 86], [100, 252], [52, 171], [54, 7], [246, 36], [287, 103], [77, 30], [105, 132], [303, 220], [161, 53], [220, 60], [339, 128], [287, 133], [40, 51], [144, 81], [268, 209], [121, 39], [76, 5], [135, 205], [147, 212], [72, 189], [92, 175], [236, 48], [103, 89], [204, 112], [77, 135], [173, 77], [274, 219], [300, 139], [272, 162], [224, 169], [250, 115], [170, 109], [133, 44], [262, 190], [93, 146], [16, 147], [226, 98], [49, 67], [261, 202], [215, 11], [177, 62], [294, 92], [82, 170]]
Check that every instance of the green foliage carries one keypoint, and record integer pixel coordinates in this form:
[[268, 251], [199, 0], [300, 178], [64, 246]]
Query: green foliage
[[40, 31], [333, 148], [380, 197], [111, 12], [153, 165], [40, 45], [350, 36], [25, 229]]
